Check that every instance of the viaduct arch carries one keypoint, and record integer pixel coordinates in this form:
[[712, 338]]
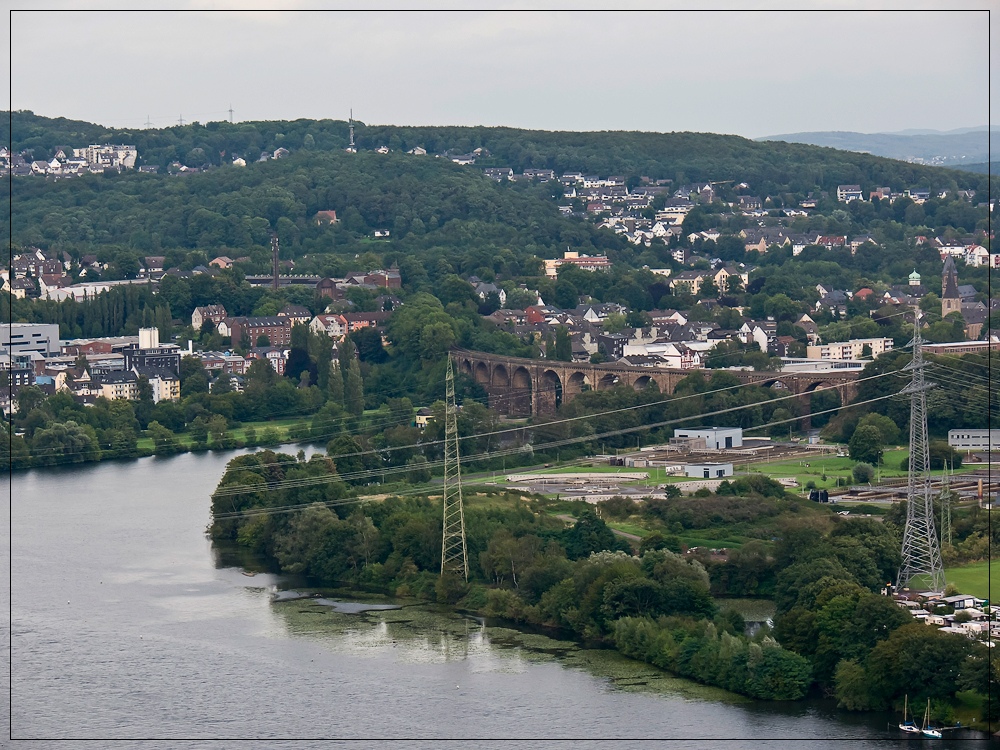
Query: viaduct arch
[[529, 387]]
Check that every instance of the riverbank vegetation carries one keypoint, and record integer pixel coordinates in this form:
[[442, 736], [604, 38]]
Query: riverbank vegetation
[[654, 601]]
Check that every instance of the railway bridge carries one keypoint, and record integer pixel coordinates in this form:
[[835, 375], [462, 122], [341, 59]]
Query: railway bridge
[[528, 387]]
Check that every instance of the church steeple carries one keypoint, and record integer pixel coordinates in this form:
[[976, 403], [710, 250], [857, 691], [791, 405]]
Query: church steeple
[[950, 299]]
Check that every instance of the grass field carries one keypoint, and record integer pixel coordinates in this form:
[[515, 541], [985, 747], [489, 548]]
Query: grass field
[[835, 469], [980, 579]]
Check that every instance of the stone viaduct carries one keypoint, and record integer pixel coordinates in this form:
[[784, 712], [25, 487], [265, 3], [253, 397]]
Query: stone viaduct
[[529, 387]]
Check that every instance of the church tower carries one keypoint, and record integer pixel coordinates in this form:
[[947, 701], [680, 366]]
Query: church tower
[[950, 300]]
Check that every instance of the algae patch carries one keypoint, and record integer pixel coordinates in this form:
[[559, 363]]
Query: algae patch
[[421, 633]]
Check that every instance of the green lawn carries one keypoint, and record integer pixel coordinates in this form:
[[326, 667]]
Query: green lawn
[[835, 468], [980, 579]]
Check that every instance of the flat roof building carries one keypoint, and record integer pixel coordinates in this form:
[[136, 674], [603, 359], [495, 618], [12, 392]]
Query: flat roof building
[[974, 440], [23, 338], [716, 438], [708, 470]]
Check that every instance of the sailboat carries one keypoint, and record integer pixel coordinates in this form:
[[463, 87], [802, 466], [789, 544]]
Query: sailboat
[[907, 724], [928, 729]]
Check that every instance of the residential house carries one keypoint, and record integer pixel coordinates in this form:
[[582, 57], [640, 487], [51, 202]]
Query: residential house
[[165, 384], [222, 261], [296, 314], [861, 239], [275, 356], [326, 217], [832, 241], [664, 317], [853, 349], [21, 288], [763, 333], [215, 313], [762, 238], [499, 174], [687, 282], [723, 275], [333, 325], [848, 193], [246, 331], [484, 289], [584, 262], [542, 175], [358, 320]]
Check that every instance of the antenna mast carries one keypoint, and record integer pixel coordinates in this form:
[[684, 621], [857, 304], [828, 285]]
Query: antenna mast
[[351, 148], [454, 556], [230, 112], [921, 547]]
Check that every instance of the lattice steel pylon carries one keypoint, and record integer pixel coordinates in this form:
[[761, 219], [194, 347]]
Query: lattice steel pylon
[[454, 555], [921, 547]]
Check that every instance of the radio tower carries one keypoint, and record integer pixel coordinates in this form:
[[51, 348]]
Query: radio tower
[[351, 148], [921, 547], [274, 261], [454, 557]]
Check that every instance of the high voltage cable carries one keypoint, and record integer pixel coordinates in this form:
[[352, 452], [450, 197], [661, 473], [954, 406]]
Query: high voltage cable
[[667, 400], [257, 511], [371, 473]]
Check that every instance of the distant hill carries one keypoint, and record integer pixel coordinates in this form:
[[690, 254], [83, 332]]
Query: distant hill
[[985, 167], [952, 148]]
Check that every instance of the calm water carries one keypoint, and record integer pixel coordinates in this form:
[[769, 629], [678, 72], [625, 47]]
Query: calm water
[[125, 626]]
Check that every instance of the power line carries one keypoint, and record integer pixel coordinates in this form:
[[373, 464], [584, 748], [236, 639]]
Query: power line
[[271, 510], [309, 481]]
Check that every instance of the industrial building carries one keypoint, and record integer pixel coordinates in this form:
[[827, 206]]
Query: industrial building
[[24, 338], [974, 440], [708, 470], [714, 438]]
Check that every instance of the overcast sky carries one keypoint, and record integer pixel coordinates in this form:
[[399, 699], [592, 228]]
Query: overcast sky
[[744, 72]]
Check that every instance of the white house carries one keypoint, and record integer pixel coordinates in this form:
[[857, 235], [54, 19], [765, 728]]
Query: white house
[[334, 326]]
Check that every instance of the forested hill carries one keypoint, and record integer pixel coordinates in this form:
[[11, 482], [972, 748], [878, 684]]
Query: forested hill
[[768, 166], [439, 210]]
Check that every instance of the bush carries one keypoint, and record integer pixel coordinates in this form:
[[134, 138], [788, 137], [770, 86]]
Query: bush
[[863, 473]]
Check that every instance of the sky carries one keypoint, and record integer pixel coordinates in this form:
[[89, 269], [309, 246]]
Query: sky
[[746, 72]]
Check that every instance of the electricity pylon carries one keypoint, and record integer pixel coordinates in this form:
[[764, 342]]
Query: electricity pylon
[[454, 556], [921, 547]]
